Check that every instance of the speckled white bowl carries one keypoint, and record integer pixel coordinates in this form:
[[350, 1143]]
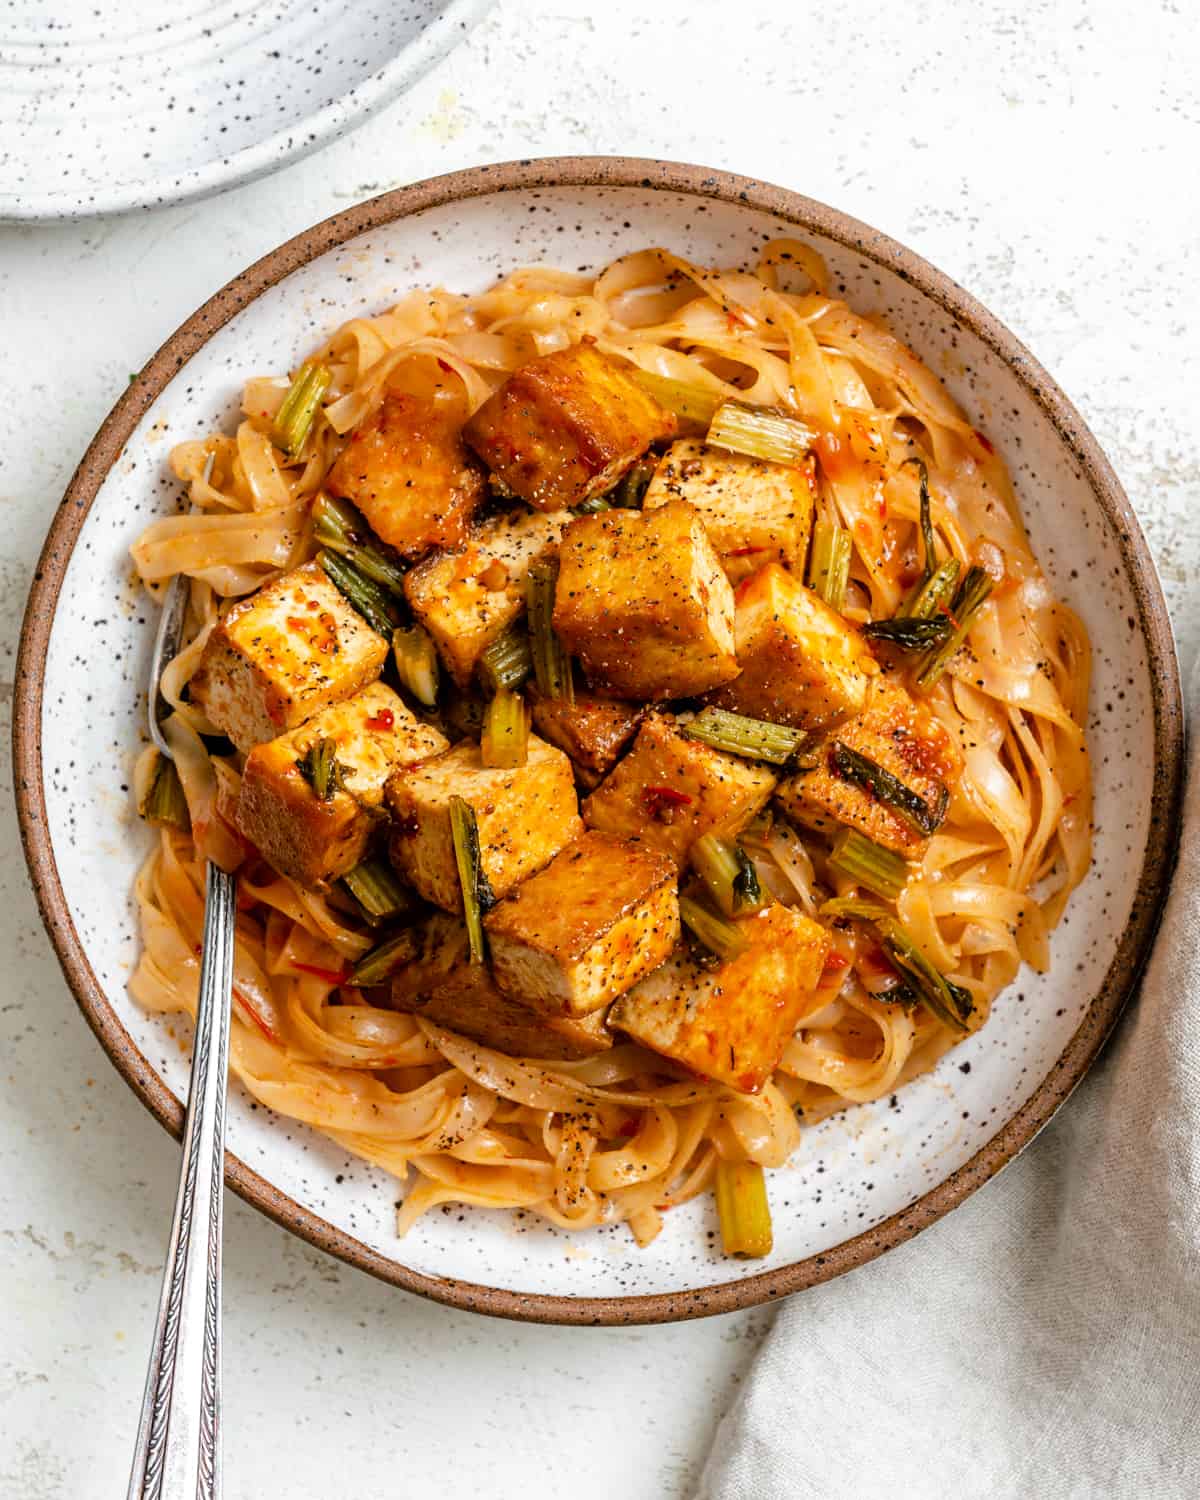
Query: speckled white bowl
[[860, 1182], [139, 104]]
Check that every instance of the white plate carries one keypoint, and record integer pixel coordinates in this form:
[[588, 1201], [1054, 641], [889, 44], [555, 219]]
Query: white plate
[[861, 1181], [110, 107]]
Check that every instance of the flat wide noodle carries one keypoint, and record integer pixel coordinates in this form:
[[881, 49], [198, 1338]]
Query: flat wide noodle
[[619, 1137]]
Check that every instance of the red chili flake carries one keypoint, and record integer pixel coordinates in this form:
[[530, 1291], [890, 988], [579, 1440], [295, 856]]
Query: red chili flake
[[882, 503], [835, 960], [744, 551], [942, 609], [983, 442], [875, 958], [748, 1083], [338, 976], [445, 365], [253, 1014], [661, 801], [384, 719]]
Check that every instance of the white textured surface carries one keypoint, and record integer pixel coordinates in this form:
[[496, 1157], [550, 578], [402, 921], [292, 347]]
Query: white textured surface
[[1044, 159]]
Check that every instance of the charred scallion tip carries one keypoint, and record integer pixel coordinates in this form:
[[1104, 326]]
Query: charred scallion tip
[[339, 527], [742, 1209], [868, 864], [385, 959], [714, 932], [930, 563], [694, 405], [951, 1003], [909, 633], [505, 739], [759, 433], [377, 607], [416, 663], [887, 789], [322, 770], [164, 804], [294, 419], [378, 890], [728, 873], [507, 662], [829, 563], [551, 664], [968, 600], [932, 597], [757, 739], [630, 490], [476, 893]]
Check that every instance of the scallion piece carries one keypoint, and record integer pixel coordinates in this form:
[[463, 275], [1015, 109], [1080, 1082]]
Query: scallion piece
[[294, 419], [868, 864], [164, 804], [760, 433], [909, 633], [378, 890], [729, 874], [742, 1209], [951, 1003], [854, 767], [551, 664], [416, 663], [594, 505], [932, 597], [968, 600], [926, 522], [476, 893], [718, 934], [692, 404], [378, 966], [322, 770], [339, 527], [505, 739], [829, 563], [739, 735], [507, 661], [374, 603], [630, 490]]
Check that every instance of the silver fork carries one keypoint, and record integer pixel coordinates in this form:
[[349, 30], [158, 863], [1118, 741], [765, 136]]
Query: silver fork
[[178, 1451]]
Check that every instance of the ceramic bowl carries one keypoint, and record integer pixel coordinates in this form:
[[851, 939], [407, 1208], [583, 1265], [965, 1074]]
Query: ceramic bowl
[[220, 91], [862, 1181]]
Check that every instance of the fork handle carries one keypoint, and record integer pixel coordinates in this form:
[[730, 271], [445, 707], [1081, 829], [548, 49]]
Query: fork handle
[[178, 1451]]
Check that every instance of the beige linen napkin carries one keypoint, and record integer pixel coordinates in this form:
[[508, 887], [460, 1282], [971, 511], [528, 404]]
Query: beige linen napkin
[[1042, 1341]]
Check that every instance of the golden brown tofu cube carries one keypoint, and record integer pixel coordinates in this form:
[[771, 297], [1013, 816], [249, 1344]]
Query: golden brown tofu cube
[[904, 739], [525, 815], [601, 915], [802, 664], [644, 603], [314, 841], [754, 512], [592, 730], [566, 426], [731, 1023], [407, 469], [468, 599], [669, 791], [282, 655], [442, 985]]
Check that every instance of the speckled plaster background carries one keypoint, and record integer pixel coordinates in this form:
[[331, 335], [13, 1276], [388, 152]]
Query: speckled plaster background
[[1044, 157]]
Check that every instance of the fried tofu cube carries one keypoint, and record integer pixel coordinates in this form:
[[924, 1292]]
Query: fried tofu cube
[[444, 986], [566, 426], [731, 1023], [903, 738], [669, 791], [407, 469], [468, 599], [754, 512], [282, 655], [524, 815], [644, 603], [601, 915], [316, 841], [592, 730], [802, 664]]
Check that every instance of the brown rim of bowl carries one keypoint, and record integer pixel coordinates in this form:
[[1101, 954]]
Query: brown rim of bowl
[[807, 215]]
